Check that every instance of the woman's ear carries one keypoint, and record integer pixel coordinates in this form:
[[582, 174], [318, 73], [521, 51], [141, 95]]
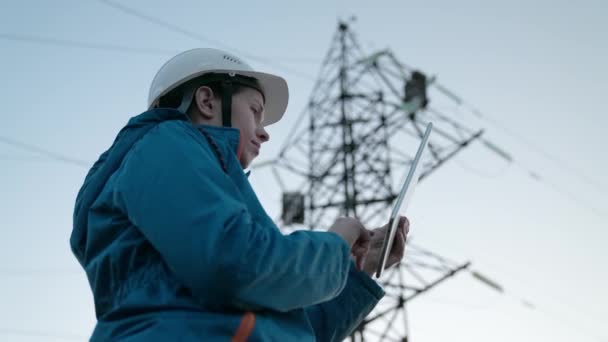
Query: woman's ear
[[205, 101]]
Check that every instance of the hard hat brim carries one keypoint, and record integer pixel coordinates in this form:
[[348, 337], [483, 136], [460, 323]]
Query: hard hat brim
[[275, 91]]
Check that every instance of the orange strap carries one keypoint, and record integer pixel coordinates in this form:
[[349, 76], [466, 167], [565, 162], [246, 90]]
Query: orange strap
[[245, 328]]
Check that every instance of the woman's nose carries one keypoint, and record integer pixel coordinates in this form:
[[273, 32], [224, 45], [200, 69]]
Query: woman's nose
[[263, 135]]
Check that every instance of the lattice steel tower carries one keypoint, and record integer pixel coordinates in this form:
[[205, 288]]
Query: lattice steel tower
[[364, 113]]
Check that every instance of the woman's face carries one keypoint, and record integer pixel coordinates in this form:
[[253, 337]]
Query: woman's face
[[247, 117]]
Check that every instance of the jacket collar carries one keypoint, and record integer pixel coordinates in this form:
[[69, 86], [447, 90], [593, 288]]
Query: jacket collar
[[229, 135]]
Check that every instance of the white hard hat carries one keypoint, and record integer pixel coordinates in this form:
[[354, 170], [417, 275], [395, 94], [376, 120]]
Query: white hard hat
[[193, 63]]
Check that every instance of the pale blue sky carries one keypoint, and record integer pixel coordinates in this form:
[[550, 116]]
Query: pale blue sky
[[536, 67]]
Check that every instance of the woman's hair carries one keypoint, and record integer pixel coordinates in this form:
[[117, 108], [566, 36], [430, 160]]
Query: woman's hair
[[173, 99]]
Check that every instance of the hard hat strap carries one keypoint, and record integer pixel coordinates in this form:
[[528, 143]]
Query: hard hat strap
[[186, 100], [227, 103]]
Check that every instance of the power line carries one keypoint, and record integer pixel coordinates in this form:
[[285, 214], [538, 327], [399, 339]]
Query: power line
[[534, 307], [536, 177], [585, 178], [533, 174], [34, 39], [481, 173], [84, 45], [52, 155], [566, 193], [530, 306], [24, 158], [197, 36], [594, 183], [572, 326], [39, 272], [506, 268], [40, 333]]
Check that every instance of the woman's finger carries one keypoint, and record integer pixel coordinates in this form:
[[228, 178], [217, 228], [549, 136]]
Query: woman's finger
[[360, 262], [358, 251], [399, 242], [404, 224], [365, 236]]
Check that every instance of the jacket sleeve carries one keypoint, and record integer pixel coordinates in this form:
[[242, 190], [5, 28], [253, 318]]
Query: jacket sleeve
[[171, 187], [336, 319]]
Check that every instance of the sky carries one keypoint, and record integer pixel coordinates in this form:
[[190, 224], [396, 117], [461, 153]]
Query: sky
[[535, 70]]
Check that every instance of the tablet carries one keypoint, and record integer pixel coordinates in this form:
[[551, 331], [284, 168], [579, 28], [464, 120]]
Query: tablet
[[402, 201]]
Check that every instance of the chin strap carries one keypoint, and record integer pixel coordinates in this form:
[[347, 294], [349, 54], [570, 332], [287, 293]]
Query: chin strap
[[227, 103]]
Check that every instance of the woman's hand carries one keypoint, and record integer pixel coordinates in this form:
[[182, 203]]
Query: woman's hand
[[375, 247], [355, 234]]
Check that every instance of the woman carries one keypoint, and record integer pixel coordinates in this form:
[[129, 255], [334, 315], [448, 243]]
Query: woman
[[173, 239]]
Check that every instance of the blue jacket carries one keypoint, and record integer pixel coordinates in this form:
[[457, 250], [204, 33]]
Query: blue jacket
[[177, 247]]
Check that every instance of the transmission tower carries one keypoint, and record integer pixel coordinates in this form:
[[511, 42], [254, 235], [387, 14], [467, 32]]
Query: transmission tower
[[350, 149]]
